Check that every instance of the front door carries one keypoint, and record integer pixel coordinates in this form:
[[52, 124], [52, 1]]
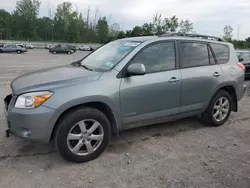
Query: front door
[[155, 94]]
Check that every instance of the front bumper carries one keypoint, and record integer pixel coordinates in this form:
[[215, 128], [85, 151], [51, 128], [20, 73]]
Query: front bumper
[[33, 124]]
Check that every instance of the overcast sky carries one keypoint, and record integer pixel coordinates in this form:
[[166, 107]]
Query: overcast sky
[[209, 16]]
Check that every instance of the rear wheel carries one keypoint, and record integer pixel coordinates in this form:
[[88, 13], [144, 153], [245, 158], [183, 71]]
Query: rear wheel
[[219, 109], [69, 52], [18, 51], [82, 135], [54, 52]]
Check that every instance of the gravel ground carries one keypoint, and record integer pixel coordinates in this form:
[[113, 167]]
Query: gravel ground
[[179, 154]]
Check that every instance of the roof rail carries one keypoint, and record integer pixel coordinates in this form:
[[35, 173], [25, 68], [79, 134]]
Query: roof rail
[[191, 35]]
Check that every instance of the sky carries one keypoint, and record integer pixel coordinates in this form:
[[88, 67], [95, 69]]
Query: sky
[[209, 16]]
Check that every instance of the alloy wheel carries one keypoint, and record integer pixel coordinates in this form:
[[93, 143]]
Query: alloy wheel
[[221, 109], [85, 137]]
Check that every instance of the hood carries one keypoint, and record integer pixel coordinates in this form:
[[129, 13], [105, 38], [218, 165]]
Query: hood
[[47, 79]]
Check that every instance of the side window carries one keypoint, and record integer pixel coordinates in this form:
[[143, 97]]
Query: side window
[[194, 54], [157, 57], [221, 52]]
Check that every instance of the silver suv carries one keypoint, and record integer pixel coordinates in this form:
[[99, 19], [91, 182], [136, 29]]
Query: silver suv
[[125, 84]]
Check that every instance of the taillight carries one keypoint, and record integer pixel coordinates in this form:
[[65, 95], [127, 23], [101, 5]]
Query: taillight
[[241, 66]]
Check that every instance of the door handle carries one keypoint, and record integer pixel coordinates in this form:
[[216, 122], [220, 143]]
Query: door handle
[[173, 80], [216, 74]]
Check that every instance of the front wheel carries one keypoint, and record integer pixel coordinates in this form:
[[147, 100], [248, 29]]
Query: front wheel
[[54, 52], [18, 51], [82, 135], [69, 52], [219, 109]]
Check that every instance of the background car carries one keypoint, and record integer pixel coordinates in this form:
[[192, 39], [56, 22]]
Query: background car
[[244, 58], [21, 45], [29, 46], [85, 48], [72, 47], [1, 45], [12, 48], [48, 46], [61, 49]]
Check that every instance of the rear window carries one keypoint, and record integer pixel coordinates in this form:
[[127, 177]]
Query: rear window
[[221, 52]]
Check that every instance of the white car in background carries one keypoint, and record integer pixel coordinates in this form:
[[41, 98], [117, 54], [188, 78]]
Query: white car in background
[[29, 46], [85, 48]]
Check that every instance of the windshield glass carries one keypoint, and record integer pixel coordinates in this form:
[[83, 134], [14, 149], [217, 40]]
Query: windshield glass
[[109, 55]]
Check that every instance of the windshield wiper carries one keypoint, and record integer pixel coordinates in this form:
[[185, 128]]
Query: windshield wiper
[[84, 66], [78, 64]]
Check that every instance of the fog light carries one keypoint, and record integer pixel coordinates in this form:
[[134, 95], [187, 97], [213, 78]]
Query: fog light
[[26, 133]]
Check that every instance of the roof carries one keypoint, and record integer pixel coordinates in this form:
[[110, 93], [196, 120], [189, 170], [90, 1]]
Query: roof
[[176, 36], [140, 39]]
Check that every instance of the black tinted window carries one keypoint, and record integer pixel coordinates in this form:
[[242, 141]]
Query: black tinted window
[[193, 54], [157, 57], [221, 52]]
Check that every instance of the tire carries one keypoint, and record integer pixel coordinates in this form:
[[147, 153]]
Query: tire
[[215, 106], [70, 122], [69, 53], [54, 52], [18, 51]]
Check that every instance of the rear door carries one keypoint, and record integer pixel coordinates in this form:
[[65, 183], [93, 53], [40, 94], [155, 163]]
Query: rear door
[[200, 75]]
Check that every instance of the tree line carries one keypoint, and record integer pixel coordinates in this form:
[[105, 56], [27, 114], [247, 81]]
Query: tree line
[[68, 25]]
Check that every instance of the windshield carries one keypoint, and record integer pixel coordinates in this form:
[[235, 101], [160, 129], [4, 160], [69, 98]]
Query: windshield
[[109, 55]]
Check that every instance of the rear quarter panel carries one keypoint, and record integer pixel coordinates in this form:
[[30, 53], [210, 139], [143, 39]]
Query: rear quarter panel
[[232, 74]]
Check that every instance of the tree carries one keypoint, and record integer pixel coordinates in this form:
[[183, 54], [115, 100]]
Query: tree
[[65, 22], [114, 30], [121, 34], [102, 29], [136, 31], [147, 29], [43, 27], [157, 24], [172, 23], [228, 33], [5, 24], [26, 15], [185, 26]]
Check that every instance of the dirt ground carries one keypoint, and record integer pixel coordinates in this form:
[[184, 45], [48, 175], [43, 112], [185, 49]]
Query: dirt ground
[[179, 154]]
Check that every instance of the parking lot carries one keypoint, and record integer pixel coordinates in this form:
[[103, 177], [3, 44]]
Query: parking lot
[[179, 154]]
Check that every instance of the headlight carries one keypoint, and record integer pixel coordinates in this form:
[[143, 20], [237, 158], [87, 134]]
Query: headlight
[[32, 100]]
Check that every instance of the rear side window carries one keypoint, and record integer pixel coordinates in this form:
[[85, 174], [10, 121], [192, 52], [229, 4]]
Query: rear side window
[[221, 52], [194, 54]]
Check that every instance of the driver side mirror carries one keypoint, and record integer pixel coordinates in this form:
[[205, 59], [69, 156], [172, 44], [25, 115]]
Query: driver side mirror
[[136, 69]]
